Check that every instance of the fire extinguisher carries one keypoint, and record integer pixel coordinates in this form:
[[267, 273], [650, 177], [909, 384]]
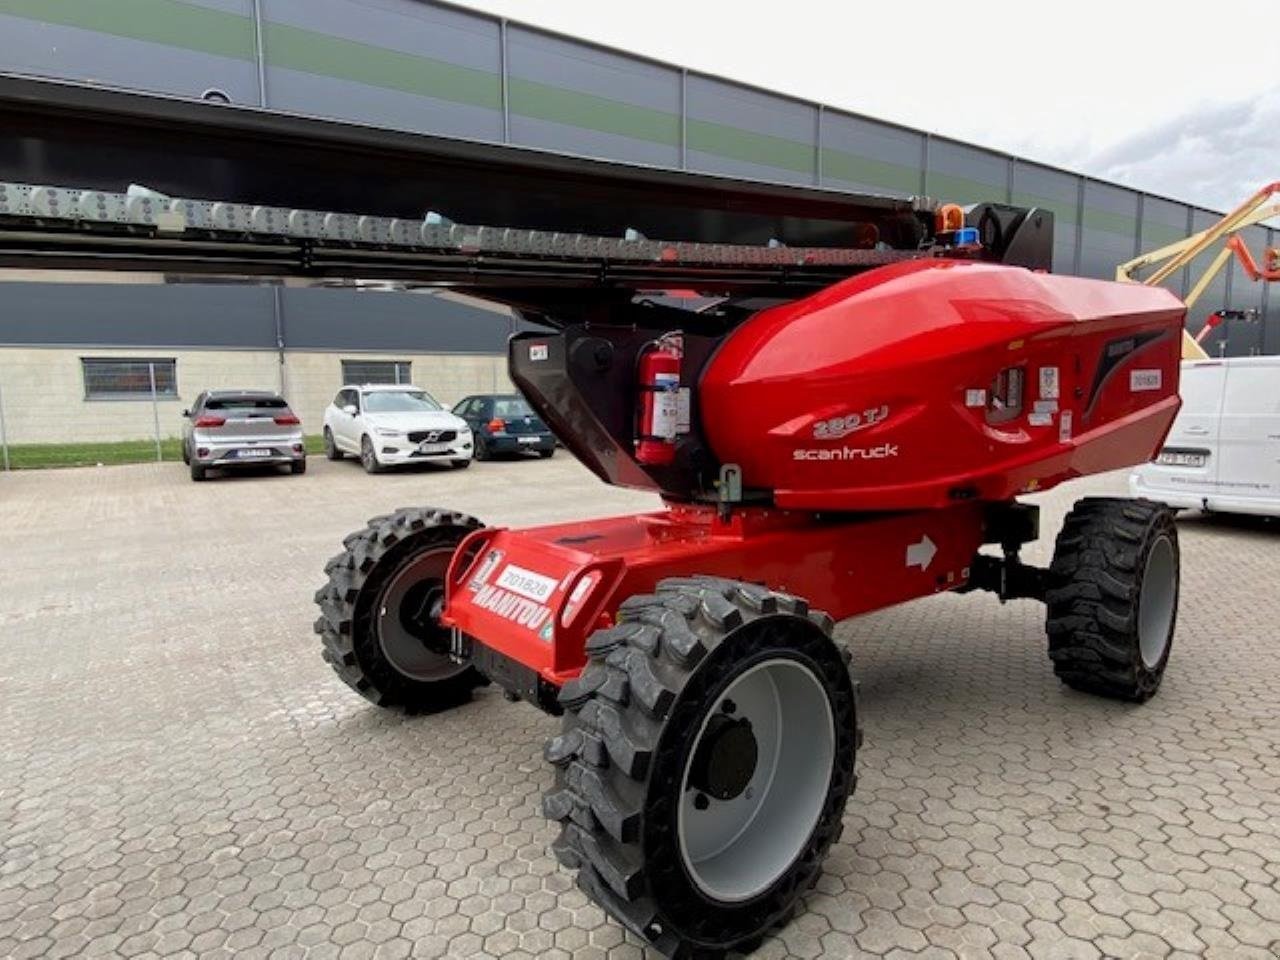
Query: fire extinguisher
[[658, 399]]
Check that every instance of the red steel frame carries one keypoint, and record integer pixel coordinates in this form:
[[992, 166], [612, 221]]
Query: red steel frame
[[844, 567]]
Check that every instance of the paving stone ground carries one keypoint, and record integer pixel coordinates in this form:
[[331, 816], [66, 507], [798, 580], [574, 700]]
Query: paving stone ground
[[183, 776]]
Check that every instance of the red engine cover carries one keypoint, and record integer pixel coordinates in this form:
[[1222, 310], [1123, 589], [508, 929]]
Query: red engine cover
[[923, 383]]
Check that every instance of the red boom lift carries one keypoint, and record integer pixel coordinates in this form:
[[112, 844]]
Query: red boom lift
[[846, 429], [819, 459]]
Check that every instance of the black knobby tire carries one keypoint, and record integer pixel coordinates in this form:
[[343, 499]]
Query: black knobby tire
[[351, 601], [331, 450], [1113, 597], [632, 718]]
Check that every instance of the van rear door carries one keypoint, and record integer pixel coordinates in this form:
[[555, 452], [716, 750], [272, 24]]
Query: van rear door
[[1187, 465], [1249, 447]]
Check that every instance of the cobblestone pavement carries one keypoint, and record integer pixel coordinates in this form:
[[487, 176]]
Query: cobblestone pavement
[[182, 775]]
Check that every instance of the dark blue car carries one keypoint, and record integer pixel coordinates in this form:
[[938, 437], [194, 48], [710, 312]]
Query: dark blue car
[[505, 424]]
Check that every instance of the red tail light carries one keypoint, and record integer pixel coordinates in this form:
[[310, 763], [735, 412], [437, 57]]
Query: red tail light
[[210, 421], [288, 420], [496, 425]]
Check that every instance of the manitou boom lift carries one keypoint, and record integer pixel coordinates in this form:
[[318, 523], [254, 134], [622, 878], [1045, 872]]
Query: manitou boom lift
[[1175, 256], [846, 430]]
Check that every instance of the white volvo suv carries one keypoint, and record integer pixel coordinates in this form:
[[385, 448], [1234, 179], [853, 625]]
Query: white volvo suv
[[388, 425]]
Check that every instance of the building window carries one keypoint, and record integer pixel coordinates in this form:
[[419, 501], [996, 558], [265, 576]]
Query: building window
[[129, 378], [377, 371]]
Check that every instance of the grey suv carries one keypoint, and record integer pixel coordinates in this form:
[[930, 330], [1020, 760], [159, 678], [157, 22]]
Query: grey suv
[[241, 428]]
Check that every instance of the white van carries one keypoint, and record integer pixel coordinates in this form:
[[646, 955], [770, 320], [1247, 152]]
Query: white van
[[1223, 453]]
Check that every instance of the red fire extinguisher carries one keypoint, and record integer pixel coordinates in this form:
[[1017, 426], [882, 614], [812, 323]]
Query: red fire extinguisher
[[658, 400]]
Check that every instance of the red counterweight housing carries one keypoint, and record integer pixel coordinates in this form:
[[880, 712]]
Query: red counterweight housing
[[658, 400], [919, 385], [911, 386]]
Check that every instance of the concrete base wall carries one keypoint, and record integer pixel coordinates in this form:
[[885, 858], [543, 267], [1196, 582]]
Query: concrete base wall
[[43, 398]]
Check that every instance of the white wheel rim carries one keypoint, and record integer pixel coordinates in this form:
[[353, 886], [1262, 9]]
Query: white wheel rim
[[736, 849], [1157, 602]]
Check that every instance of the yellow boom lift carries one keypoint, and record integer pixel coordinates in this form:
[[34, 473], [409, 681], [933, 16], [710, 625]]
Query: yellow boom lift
[[1173, 257]]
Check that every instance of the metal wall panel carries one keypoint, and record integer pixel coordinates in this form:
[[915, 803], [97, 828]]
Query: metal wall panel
[[1215, 295], [1163, 222], [1110, 229], [120, 315], [222, 316], [578, 99], [864, 155], [745, 133], [198, 48], [1037, 186], [394, 63], [964, 174], [335, 320], [417, 65]]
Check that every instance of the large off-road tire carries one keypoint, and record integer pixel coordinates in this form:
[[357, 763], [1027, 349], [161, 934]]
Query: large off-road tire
[[1113, 597], [379, 608], [706, 756]]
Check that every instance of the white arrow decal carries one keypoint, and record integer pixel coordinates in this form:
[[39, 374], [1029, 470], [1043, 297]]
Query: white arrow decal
[[921, 554]]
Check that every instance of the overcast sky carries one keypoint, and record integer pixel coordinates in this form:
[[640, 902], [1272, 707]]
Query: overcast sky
[[1177, 98]]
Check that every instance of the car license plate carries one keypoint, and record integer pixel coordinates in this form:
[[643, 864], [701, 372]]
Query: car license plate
[[528, 439], [1171, 458], [252, 454], [432, 447]]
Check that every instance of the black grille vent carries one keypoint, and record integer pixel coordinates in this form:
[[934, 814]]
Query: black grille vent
[[433, 436]]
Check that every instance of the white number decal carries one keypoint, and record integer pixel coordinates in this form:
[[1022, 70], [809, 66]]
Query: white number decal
[[838, 427]]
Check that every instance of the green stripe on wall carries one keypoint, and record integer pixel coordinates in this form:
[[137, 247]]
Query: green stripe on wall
[[1108, 222], [1064, 211], [952, 189], [1158, 234], [855, 168], [319, 53], [749, 146], [169, 22], [541, 101], [188, 26]]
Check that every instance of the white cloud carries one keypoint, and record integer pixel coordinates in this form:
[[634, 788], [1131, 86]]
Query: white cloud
[[1216, 153]]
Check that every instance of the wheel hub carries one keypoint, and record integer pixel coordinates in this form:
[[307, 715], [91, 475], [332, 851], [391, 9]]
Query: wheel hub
[[726, 758], [407, 619], [420, 613]]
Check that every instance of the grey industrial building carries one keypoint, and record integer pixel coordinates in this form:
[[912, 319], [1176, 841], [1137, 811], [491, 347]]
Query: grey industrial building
[[67, 351]]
